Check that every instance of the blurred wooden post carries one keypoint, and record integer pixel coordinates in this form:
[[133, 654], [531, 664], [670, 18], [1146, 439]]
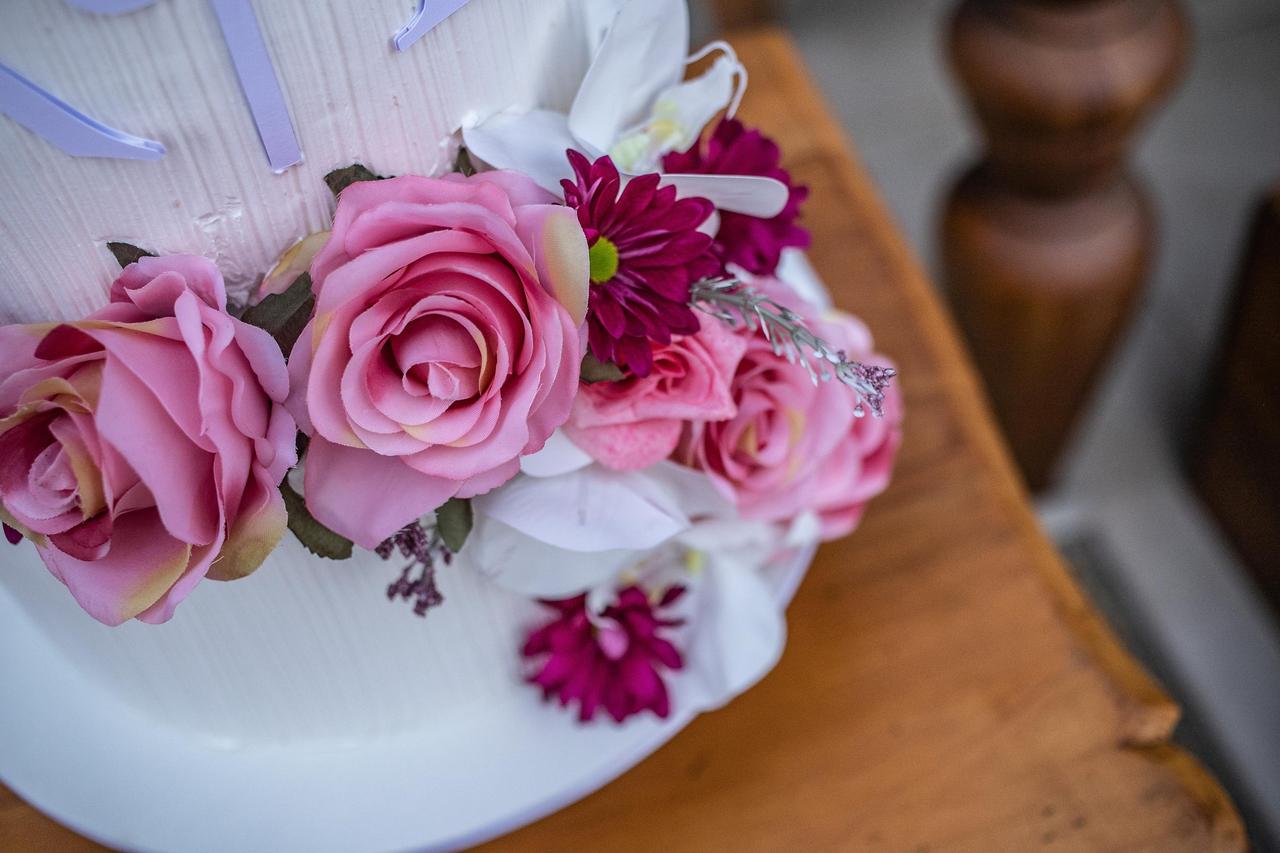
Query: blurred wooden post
[[1046, 241], [743, 13]]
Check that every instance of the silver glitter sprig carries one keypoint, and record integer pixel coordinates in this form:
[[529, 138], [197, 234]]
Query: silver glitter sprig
[[738, 304]]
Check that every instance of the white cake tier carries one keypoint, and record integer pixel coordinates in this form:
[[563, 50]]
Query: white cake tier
[[305, 648], [164, 72]]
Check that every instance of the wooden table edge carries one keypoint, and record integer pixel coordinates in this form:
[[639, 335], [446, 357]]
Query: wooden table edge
[[1153, 714]]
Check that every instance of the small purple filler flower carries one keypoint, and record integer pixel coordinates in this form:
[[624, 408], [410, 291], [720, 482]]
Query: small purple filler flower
[[646, 252], [750, 242], [612, 661]]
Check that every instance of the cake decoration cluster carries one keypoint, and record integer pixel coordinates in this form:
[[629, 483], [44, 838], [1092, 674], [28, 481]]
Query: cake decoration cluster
[[575, 365]]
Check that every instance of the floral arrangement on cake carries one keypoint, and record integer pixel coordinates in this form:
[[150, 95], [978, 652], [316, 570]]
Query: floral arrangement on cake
[[571, 365]]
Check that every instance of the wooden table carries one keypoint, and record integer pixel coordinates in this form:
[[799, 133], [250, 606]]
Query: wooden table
[[946, 686]]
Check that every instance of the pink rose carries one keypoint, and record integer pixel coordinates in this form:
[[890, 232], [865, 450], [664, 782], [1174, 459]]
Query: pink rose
[[141, 448], [445, 345], [793, 446], [636, 422]]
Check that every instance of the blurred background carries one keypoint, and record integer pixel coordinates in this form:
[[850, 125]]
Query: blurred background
[[1154, 451]]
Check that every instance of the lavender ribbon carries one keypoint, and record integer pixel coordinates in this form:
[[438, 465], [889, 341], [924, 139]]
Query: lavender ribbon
[[65, 127], [259, 82], [429, 15], [110, 7]]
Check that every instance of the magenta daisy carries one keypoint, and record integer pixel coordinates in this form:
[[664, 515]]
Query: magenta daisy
[[752, 243], [646, 251], [612, 661]]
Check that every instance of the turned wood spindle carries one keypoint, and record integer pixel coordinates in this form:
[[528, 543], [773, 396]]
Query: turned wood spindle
[[1046, 240]]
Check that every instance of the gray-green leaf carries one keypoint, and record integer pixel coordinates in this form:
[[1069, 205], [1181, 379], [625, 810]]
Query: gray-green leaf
[[594, 370], [126, 253], [339, 179], [313, 535], [453, 522], [462, 163], [284, 315]]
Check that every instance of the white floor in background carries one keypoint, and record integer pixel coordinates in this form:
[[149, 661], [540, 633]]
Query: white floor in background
[[1155, 562]]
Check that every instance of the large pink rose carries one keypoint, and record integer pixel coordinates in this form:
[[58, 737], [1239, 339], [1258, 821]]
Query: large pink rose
[[141, 448], [636, 422], [445, 345], [794, 446]]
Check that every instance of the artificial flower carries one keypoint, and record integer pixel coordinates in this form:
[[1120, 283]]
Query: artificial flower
[[294, 262], [141, 448], [636, 421], [634, 105], [751, 242], [658, 527], [526, 541], [445, 345], [614, 660], [795, 445], [645, 253]]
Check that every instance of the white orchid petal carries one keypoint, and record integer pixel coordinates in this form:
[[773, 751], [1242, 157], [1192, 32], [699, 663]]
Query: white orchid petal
[[642, 55], [533, 143], [750, 541], [686, 491], [676, 119], [749, 194], [530, 567], [736, 635], [711, 226], [597, 17], [794, 268], [592, 509], [558, 456], [693, 103], [805, 529]]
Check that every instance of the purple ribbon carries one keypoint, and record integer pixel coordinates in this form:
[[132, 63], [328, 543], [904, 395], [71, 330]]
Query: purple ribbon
[[429, 15], [258, 80], [62, 125], [110, 7]]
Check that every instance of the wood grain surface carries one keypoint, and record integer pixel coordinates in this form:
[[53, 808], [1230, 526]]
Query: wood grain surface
[[945, 685]]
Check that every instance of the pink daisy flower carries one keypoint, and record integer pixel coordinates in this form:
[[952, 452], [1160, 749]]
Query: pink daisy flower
[[646, 251], [612, 661], [752, 243]]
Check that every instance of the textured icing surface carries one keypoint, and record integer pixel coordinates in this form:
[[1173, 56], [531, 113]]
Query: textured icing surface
[[164, 72], [305, 648]]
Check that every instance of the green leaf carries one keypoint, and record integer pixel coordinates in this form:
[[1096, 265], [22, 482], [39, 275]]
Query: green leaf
[[126, 254], [339, 179], [453, 522], [313, 535], [463, 165], [594, 370], [284, 315]]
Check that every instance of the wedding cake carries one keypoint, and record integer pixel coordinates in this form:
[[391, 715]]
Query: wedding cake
[[626, 394]]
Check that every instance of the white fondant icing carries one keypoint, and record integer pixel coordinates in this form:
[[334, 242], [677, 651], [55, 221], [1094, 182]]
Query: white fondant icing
[[305, 648], [164, 72]]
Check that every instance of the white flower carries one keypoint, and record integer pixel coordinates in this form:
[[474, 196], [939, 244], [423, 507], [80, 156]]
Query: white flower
[[634, 105], [567, 525]]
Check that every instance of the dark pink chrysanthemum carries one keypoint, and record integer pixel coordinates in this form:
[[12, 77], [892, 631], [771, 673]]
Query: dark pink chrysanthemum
[[752, 243], [613, 661], [646, 251]]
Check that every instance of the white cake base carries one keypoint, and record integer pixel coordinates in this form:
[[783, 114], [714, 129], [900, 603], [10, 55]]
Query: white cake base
[[352, 747]]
